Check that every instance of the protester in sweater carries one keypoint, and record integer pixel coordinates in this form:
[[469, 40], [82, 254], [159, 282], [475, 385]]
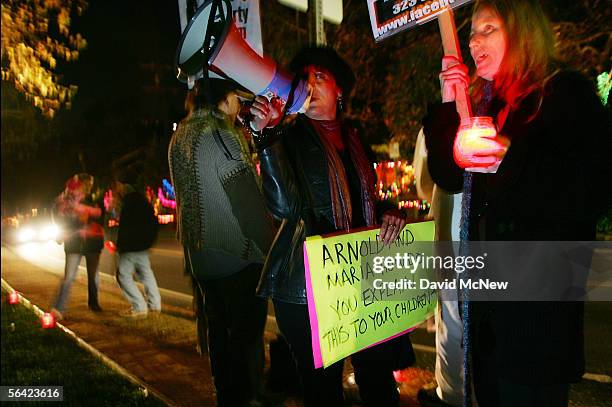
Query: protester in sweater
[[226, 231]]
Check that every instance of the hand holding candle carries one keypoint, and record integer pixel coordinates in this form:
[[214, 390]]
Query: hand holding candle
[[478, 147]]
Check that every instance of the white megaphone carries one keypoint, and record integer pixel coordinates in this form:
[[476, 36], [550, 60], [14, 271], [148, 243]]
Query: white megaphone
[[230, 55]]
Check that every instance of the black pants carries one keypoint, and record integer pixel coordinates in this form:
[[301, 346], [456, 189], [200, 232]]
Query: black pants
[[70, 272], [236, 321], [494, 391], [92, 260], [323, 387]]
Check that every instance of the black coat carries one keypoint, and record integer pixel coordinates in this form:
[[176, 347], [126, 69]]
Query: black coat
[[83, 236], [296, 187], [137, 224], [552, 185]]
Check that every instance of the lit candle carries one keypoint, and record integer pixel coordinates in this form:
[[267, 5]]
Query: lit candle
[[13, 298], [472, 138], [48, 320], [110, 246]]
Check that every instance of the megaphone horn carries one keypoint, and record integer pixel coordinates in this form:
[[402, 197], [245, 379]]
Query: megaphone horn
[[229, 54]]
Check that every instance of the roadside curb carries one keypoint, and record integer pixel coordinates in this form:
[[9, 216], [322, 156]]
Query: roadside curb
[[146, 388]]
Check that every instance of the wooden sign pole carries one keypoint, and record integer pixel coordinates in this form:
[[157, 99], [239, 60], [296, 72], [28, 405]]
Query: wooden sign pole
[[450, 43]]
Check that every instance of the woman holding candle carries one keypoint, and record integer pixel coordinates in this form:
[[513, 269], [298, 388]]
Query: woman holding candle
[[551, 147]]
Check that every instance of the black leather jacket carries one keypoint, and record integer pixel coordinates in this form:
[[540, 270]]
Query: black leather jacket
[[296, 189]]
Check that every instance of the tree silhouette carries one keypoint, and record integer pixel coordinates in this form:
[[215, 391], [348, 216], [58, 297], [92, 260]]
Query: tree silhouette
[[35, 35]]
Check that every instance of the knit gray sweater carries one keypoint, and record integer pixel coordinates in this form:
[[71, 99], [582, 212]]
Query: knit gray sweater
[[221, 213]]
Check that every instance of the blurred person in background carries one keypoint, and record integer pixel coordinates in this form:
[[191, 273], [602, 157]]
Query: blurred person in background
[[445, 210], [83, 236], [136, 234]]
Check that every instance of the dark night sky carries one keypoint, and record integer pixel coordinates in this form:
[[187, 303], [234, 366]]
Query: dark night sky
[[120, 105], [120, 35]]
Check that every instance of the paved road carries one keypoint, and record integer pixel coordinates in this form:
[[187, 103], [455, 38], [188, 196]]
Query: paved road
[[166, 260]]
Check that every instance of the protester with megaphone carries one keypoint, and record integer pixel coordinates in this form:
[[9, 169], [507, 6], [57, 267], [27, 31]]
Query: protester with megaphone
[[318, 179]]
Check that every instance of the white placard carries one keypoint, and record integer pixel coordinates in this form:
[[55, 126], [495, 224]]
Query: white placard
[[248, 22], [388, 17]]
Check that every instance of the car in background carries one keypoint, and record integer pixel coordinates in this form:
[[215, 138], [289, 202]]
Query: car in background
[[41, 228]]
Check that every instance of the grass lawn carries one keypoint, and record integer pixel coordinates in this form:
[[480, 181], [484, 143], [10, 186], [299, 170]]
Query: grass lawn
[[32, 356]]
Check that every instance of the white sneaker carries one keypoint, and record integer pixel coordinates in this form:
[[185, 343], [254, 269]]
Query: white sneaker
[[133, 314]]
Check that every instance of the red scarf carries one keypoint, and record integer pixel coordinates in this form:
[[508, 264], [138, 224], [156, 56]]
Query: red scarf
[[332, 133]]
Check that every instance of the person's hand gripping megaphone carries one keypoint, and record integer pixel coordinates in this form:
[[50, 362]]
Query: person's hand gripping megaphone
[[269, 112], [266, 113]]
